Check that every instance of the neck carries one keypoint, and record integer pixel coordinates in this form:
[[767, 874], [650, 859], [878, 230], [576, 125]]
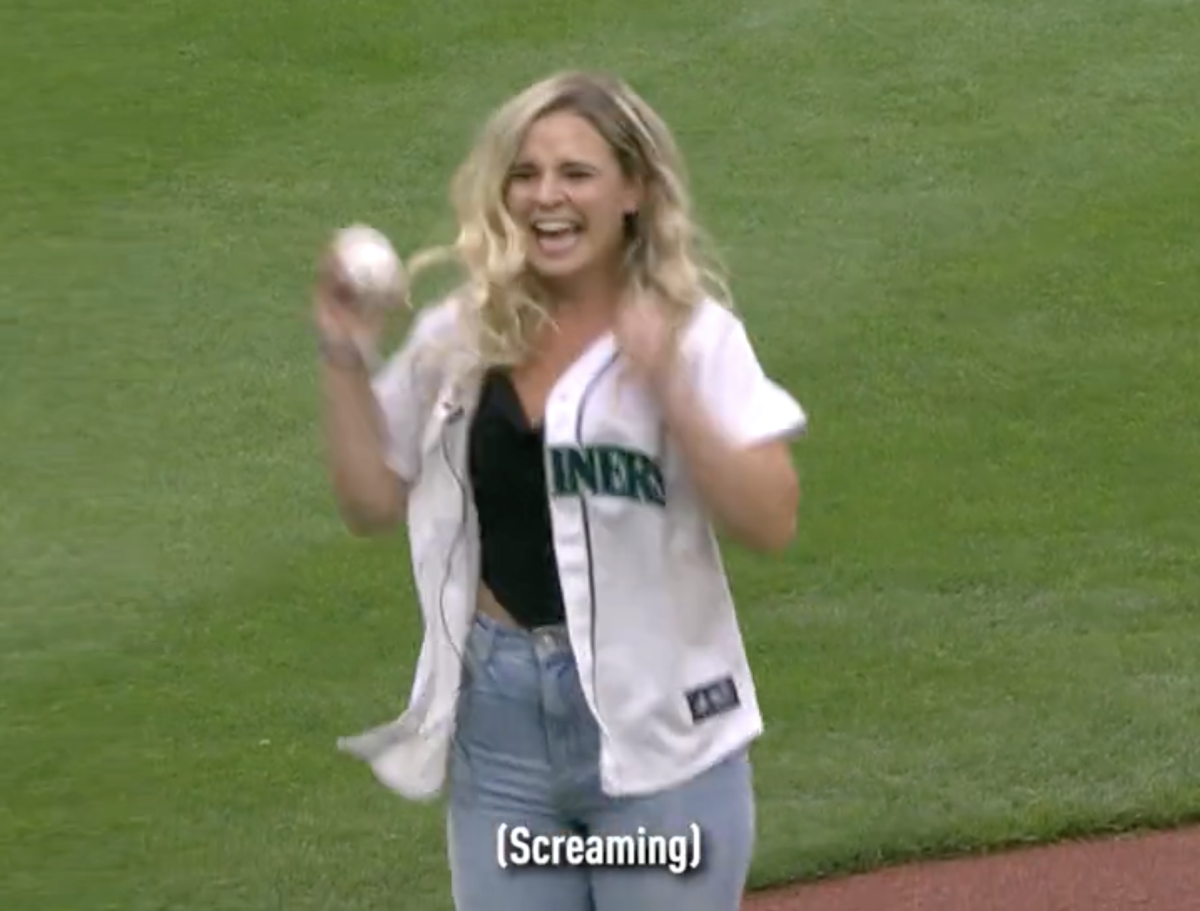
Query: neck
[[591, 297]]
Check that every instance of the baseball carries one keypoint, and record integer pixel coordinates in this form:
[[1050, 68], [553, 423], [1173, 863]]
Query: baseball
[[371, 264]]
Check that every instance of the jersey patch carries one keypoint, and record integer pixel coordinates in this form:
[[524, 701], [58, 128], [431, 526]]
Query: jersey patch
[[606, 471], [713, 699]]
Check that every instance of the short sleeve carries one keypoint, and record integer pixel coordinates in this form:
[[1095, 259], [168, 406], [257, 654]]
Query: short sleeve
[[404, 390], [748, 405]]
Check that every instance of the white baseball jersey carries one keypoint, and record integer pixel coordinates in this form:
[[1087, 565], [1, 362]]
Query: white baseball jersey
[[648, 607]]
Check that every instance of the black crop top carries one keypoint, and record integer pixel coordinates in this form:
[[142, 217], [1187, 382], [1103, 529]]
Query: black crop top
[[508, 476]]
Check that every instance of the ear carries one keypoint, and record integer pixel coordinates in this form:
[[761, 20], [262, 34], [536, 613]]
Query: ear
[[634, 195]]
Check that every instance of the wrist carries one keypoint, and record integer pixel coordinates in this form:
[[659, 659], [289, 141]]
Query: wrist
[[346, 351], [678, 406], [671, 386]]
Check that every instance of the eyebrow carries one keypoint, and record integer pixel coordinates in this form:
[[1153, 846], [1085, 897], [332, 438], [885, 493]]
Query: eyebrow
[[523, 165]]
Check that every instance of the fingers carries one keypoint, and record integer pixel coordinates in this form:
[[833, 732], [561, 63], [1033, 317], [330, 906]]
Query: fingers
[[338, 310], [333, 284]]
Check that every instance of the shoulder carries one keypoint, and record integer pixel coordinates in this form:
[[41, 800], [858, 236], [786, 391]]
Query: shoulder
[[435, 338], [730, 377], [419, 366], [437, 322], [710, 321], [714, 331]]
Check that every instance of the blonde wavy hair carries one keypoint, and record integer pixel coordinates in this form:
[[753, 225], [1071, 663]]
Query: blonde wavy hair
[[667, 252]]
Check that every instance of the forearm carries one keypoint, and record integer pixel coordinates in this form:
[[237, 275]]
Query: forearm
[[751, 492], [370, 496]]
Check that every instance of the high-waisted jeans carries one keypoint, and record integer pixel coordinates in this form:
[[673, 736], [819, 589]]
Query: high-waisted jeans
[[526, 763]]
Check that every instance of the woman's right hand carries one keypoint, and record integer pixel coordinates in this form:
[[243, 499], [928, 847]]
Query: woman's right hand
[[370, 498], [341, 317]]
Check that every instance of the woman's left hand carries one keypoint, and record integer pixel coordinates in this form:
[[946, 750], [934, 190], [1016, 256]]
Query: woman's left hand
[[644, 336]]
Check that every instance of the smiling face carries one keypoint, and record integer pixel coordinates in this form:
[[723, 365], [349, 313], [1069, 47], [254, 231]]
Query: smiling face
[[568, 192]]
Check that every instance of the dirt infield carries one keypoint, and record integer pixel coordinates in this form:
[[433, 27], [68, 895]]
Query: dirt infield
[[1154, 872]]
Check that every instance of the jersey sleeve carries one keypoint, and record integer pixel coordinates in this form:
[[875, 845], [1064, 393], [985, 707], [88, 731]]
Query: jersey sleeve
[[748, 406], [404, 389]]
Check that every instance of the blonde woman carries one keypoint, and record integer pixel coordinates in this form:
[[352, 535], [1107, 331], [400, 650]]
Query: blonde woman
[[564, 436]]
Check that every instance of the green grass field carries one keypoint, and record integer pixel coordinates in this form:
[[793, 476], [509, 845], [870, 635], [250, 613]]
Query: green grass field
[[964, 233]]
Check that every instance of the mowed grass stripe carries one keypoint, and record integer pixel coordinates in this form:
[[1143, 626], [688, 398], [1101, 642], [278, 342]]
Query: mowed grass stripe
[[908, 203], [1034, 632]]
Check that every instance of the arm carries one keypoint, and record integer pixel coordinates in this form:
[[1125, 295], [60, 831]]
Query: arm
[[371, 423], [752, 490], [371, 496], [733, 426]]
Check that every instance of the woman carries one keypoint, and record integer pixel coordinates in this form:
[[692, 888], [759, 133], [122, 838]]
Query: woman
[[563, 435]]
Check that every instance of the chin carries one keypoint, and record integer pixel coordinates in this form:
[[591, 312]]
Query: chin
[[557, 272]]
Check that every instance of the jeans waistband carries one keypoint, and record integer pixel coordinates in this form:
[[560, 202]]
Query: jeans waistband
[[490, 633]]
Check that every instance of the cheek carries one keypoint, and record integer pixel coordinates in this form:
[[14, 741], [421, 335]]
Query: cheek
[[607, 222], [515, 200]]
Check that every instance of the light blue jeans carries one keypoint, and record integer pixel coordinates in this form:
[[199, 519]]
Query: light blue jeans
[[526, 753]]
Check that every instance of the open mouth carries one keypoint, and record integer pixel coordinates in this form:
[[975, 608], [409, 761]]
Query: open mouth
[[556, 237]]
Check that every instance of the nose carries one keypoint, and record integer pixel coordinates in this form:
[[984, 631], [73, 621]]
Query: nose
[[548, 190]]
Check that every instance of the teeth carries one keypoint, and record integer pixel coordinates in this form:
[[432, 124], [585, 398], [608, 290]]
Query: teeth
[[553, 227]]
